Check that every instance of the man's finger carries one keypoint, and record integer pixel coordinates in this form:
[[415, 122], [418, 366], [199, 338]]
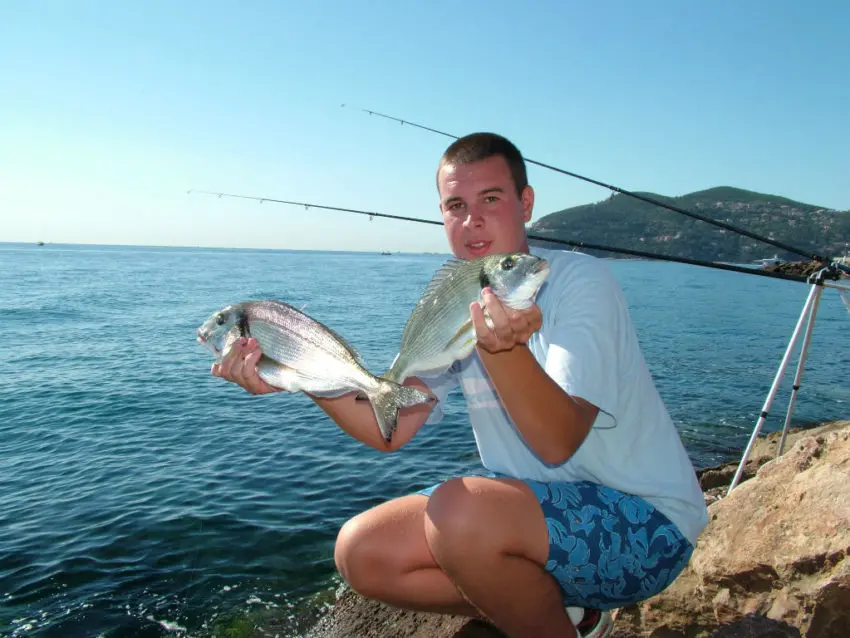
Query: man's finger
[[249, 364], [479, 325], [251, 380], [476, 313], [501, 321], [226, 366], [494, 308]]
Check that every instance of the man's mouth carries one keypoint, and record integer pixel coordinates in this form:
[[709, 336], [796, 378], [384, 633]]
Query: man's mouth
[[478, 248]]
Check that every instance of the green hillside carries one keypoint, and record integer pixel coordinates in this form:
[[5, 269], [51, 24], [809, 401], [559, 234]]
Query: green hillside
[[625, 222]]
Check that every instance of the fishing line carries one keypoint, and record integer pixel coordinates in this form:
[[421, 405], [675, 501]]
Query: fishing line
[[576, 244], [845, 298], [648, 200]]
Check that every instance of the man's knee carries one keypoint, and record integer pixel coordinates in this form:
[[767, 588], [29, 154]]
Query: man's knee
[[472, 516], [454, 526], [367, 557], [350, 551]]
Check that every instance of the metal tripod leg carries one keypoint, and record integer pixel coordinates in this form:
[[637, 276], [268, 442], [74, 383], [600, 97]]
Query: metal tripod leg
[[776, 381], [804, 350]]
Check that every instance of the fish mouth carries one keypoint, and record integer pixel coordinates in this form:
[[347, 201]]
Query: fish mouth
[[203, 339], [540, 267]]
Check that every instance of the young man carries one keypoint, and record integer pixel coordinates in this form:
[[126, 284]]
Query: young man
[[592, 502]]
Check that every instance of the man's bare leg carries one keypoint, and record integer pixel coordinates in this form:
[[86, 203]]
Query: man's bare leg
[[382, 554], [490, 537], [477, 548]]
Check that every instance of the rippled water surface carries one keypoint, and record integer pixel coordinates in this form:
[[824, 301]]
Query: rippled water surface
[[139, 496]]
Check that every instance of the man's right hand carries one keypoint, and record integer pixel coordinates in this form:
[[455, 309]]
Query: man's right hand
[[240, 367]]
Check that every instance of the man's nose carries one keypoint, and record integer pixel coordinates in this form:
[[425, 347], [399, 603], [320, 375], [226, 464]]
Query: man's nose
[[474, 219]]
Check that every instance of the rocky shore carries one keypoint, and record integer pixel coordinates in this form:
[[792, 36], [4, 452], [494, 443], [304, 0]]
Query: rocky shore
[[772, 563], [800, 268]]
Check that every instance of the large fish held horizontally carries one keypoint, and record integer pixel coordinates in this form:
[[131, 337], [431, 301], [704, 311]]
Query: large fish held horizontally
[[300, 354], [439, 330]]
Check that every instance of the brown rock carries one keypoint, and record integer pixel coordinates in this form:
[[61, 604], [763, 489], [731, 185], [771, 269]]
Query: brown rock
[[776, 549], [355, 616], [800, 268], [764, 450]]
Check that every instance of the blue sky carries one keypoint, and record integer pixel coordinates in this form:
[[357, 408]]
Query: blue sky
[[111, 111]]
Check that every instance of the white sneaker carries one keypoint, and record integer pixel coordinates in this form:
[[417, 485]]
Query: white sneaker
[[591, 623]]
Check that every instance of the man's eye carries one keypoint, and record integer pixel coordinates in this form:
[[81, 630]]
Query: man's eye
[[491, 198]]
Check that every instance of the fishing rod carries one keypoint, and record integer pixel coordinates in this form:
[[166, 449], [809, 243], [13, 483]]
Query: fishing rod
[[644, 198], [576, 244]]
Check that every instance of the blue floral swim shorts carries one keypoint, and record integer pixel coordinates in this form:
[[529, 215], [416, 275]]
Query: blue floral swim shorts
[[607, 549]]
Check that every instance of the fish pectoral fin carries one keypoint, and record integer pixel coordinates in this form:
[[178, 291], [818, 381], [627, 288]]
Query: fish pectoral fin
[[462, 334], [278, 375], [291, 380]]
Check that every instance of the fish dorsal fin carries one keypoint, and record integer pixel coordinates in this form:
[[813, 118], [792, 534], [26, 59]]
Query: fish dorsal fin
[[444, 273]]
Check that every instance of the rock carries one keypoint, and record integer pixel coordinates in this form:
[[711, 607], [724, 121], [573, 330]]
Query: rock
[[776, 549], [801, 268], [715, 480], [355, 616], [772, 563]]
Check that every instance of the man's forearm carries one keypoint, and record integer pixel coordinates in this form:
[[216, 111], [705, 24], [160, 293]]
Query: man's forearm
[[357, 419], [551, 422]]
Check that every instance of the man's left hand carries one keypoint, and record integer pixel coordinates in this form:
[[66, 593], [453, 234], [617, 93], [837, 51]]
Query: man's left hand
[[509, 327]]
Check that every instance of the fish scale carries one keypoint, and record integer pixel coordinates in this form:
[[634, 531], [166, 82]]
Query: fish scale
[[315, 359], [293, 323]]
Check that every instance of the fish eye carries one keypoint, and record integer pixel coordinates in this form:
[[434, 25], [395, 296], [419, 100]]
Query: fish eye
[[508, 263], [219, 320]]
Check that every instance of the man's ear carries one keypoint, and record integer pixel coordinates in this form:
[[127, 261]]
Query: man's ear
[[527, 199]]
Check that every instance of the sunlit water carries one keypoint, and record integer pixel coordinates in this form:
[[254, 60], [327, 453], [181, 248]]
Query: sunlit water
[[140, 496]]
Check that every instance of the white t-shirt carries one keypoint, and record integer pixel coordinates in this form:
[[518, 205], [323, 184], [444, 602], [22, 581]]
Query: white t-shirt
[[588, 345]]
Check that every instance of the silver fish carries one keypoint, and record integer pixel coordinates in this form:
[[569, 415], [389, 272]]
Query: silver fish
[[439, 330], [301, 354]]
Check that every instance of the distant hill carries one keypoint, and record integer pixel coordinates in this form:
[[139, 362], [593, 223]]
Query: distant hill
[[625, 222]]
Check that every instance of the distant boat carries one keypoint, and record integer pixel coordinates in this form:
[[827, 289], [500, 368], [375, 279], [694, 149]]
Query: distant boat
[[386, 252], [769, 261], [39, 243]]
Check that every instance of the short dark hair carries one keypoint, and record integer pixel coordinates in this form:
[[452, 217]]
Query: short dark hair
[[480, 146]]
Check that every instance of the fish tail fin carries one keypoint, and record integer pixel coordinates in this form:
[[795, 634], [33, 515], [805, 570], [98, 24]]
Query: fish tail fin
[[389, 398], [391, 376]]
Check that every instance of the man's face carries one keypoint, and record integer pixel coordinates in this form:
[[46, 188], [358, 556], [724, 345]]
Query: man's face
[[481, 210]]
